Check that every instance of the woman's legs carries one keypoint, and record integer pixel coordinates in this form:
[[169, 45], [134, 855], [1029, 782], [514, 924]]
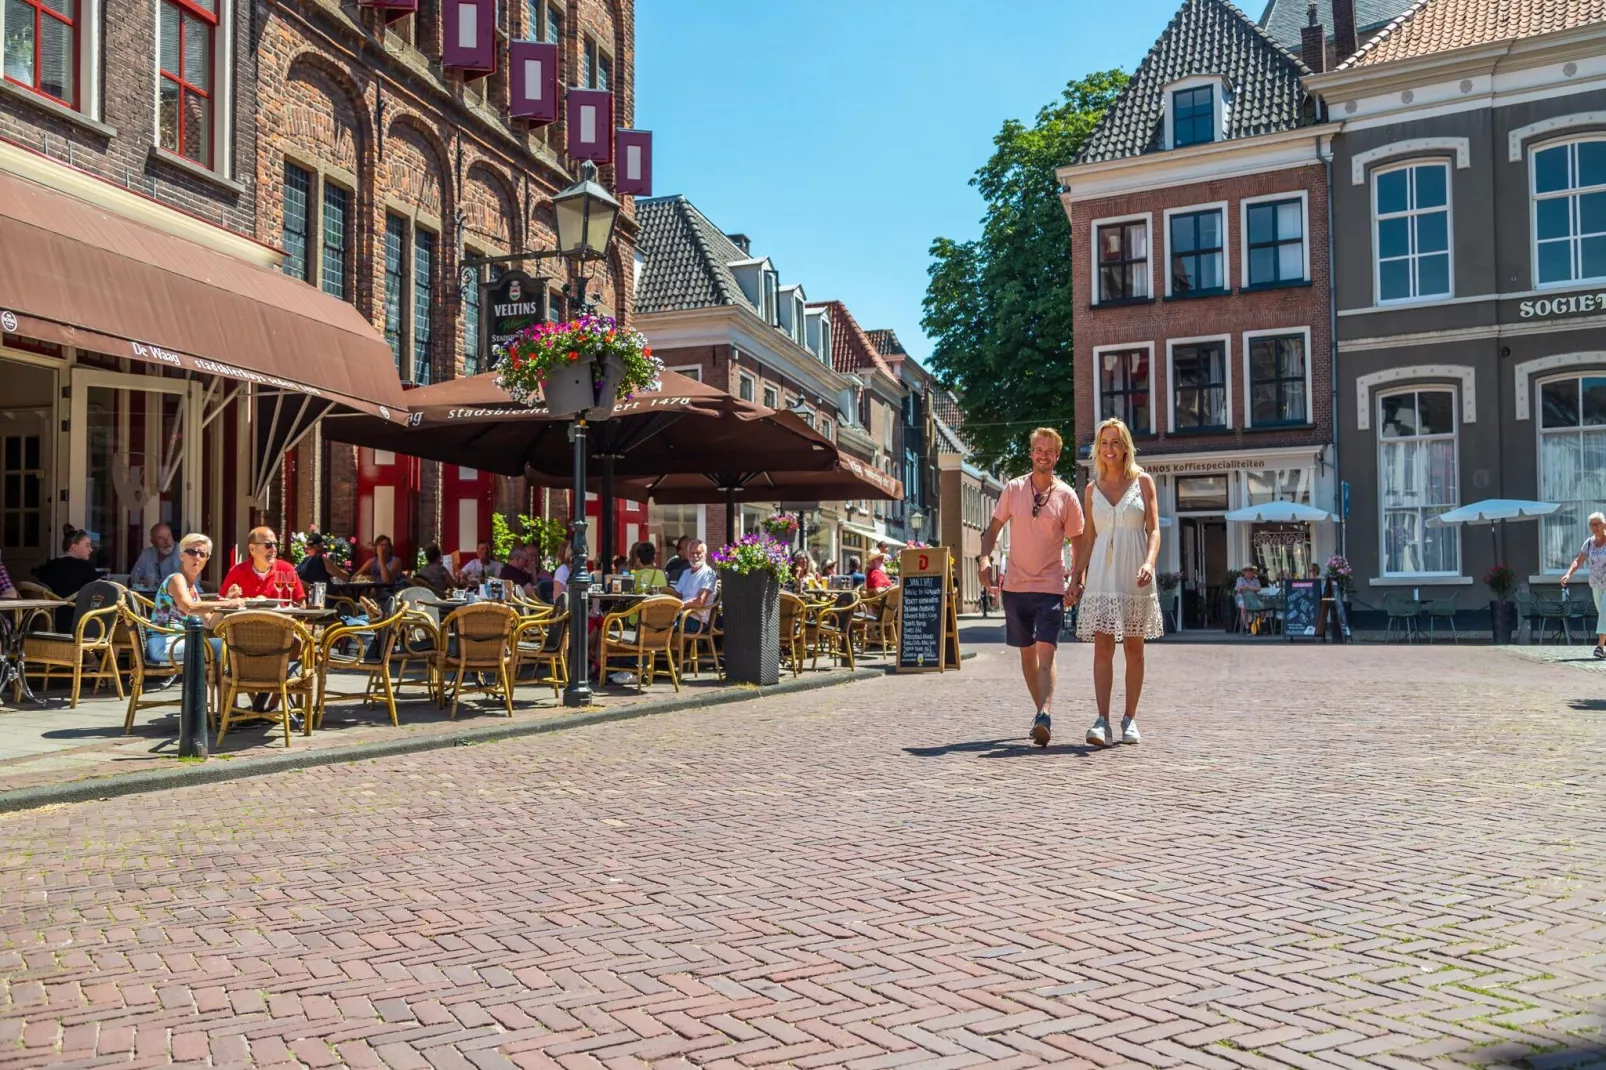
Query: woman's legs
[[1600, 614], [1132, 647], [1103, 671]]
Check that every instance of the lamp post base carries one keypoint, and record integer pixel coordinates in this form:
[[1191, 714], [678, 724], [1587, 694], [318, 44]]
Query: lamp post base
[[578, 694]]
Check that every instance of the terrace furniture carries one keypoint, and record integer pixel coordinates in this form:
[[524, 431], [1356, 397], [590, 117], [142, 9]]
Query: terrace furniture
[[794, 612], [694, 644], [1402, 612], [92, 641], [475, 639], [543, 641], [259, 647], [656, 626], [1443, 609], [362, 650]]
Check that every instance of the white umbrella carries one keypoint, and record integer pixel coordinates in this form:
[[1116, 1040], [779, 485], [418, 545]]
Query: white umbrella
[[1491, 510], [1278, 513]]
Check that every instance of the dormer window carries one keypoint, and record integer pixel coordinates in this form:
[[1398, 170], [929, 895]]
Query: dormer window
[[771, 316], [1193, 115]]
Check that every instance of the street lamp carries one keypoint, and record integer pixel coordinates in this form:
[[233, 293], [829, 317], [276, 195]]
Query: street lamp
[[917, 520], [586, 214]]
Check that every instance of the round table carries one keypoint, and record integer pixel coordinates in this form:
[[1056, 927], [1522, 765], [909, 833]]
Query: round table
[[13, 640]]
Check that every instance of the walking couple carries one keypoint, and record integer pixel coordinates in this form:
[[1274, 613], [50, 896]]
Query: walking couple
[[1114, 543]]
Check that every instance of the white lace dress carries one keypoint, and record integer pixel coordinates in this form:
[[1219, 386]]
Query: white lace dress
[[1112, 602]]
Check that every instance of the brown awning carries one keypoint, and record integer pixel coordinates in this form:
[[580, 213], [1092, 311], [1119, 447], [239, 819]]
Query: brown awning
[[76, 274]]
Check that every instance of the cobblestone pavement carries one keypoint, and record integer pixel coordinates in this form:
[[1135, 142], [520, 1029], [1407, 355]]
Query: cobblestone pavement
[[1353, 856]]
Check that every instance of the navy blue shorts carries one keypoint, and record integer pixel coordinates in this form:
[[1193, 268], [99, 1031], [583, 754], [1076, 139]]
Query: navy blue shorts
[[1031, 617]]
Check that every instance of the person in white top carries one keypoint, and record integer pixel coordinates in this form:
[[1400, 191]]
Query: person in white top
[[1593, 554], [696, 586], [481, 567]]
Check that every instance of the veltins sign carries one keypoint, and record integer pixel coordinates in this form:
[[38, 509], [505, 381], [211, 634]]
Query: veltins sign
[[1571, 305], [516, 301]]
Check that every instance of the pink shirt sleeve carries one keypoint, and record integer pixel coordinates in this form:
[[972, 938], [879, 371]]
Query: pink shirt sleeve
[[1001, 510], [1075, 522]]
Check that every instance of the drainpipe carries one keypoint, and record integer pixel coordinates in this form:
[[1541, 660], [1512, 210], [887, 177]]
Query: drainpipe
[[1332, 342]]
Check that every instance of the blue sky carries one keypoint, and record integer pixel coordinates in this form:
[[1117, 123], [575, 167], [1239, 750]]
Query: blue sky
[[841, 136]]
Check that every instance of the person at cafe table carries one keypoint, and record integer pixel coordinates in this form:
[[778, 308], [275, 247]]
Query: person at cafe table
[[158, 561], [384, 566], [318, 566], [7, 588], [70, 573], [264, 574], [481, 567], [696, 586], [178, 598]]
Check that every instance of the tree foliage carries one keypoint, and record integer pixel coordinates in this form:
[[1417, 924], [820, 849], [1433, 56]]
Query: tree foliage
[[999, 307]]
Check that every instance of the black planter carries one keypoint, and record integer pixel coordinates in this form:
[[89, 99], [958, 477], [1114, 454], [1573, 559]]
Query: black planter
[[752, 607], [1503, 617]]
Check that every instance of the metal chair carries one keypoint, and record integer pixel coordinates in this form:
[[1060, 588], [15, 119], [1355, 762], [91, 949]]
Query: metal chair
[[543, 641], [1404, 612], [657, 624], [1443, 609], [1547, 611], [1581, 612], [1255, 610], [475, 639], [258, 648]]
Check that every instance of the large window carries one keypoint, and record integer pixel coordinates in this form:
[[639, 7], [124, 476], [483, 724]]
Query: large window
[[1276, 242], [1123, 252], [744, 387], [1199, 386], [424, 244], [336, 240], [471, 324], [1196, 259], [396, 287], [1413, 232], [1572, 463], [1417, 481], [1277, 372], [1193, 116], [1569, 183], [1124, 380], [41, 47], [297, 191], [187, 34]]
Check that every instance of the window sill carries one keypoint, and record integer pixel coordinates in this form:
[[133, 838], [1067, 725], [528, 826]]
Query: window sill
[[1553, 579], [1420, 581], [1125, 302], [195, 170], [1410, 302], [1281, 427], [60, 111], [1190, 432], [1295, 284], [1196, 295]]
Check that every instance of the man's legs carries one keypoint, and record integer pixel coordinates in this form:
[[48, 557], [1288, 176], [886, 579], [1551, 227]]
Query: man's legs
[[1041, 670]]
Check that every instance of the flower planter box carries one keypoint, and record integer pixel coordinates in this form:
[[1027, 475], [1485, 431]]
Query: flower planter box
[[752, 609], [577, 388], [1503, 621]]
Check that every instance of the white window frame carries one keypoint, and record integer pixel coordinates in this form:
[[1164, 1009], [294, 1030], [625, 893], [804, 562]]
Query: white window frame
[[1243, 234], [745, 380], [772, 398], [1099, 415], [90, 26], [1533, 211], [1220, 107], [1571, 374], [1248, 382], [1171, 382], [222, 93], [693, 372], [1382, 510], [1147, 218], [1449, 224], [1220, 207]]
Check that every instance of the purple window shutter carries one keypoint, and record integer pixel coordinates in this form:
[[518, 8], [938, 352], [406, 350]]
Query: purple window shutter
[[393, 9], [632, 162], [533, 78], [468, 29], [590, 125]]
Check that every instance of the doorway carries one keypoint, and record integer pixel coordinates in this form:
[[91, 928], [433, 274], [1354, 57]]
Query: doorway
[[1203, 548], [29, 535]]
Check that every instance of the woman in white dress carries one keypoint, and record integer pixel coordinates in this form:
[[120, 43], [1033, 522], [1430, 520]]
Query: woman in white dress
[[1116, 578]]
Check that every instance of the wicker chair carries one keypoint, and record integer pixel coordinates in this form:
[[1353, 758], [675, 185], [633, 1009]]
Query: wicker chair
[[347, 649], [794, 611], [833, 630], [656, 627], [543, 641], [135, 630], [93, 639], [708, 642], [881, 627], [475, 639], [258, 648]]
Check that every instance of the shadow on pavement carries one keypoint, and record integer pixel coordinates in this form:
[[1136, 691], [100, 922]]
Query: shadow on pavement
[[1588, 704], [1000, 748]]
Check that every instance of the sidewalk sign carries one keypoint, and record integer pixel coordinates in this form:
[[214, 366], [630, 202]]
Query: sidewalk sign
[[1302, 608], [928, 625]]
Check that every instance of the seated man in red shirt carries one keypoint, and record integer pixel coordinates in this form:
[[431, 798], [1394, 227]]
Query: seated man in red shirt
[[264, 574], [877, 579]]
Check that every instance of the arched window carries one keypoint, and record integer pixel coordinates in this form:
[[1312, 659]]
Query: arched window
[[1418, 479], [1572, 462]]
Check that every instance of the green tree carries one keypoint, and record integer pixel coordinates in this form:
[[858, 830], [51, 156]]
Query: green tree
[[999, 307]]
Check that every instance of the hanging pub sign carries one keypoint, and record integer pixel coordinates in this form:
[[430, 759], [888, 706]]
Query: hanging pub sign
[[533, 75], [517, 301], [590, 115], [632, 170], [393, 9], [469, 31]]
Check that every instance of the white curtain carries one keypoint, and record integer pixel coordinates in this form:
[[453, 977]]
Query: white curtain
[[1417, 481]]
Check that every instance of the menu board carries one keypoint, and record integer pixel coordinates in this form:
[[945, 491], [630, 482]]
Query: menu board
[[1304, 607], [928, 626]]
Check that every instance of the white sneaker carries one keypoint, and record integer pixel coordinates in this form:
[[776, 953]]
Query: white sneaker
[[1129, 731], [622, 678], [1099, 734]]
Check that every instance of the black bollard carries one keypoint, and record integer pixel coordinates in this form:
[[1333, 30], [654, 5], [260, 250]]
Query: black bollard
[[192, 741]]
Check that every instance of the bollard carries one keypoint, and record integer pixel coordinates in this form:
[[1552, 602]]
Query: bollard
[[192, 741]]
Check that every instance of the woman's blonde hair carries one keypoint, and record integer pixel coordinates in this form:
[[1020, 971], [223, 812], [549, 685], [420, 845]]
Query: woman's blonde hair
[[1131, 470], [195, 538], [1596, 516]]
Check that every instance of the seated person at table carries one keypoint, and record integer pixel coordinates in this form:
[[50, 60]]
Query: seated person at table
[[877, 579], [1314, 572], [481, 567], [319, 567], [436, 572], [1248, 580], [68, 574], [384, 566], [7, 588], [696, 586], [804, 578], [158, 561], [650, 579], [856, 572], [677, 561], [179, 597], [514, 572], [264, 574], [560, 576], [620, 564]]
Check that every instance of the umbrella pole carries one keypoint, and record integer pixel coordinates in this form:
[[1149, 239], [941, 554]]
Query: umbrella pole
[[605, 518], [578, 692], [730, 514]]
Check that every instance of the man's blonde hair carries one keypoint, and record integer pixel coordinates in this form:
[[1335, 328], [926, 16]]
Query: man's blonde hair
[[1048, 433], [1131, 470]]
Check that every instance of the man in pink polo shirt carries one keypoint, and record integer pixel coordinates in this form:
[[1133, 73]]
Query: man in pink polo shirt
[[1043, 515]]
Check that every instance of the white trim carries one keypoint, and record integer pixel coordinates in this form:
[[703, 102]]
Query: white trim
[[690, 371], [1377, 459], [1171, 380], [1528, 370], [1098, 394], [1093, 249], [89, 31], [1516, 139], [1219, 207], [221, 64], [1412, 213], [1392, 306], [1249, 399], [1533, 213], [1362, 162], [1219, 107], [747, 380], [1422, 579], [1415, 375], [1303, 147], [1243, 229]]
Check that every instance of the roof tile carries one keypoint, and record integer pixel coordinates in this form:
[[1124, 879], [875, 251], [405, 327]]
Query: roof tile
[[687, 259], [1431, 26]]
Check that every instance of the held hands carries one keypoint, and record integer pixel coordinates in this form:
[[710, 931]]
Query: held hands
[[1073, 593], [1145, 574]]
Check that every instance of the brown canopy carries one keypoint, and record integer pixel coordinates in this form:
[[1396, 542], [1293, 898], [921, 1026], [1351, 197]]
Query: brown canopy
[[849, 480]]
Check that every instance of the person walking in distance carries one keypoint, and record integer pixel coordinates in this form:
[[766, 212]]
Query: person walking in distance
[[1043, 515], [1115, 574]]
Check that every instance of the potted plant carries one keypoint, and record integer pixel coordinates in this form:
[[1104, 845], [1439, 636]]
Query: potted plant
[[781, 526], [1340, 575], [752, 570], [584, 366], [1501, 581]]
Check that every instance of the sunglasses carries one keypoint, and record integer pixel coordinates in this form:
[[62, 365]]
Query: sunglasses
[[1039, 499], [268, 545], [193, 552]]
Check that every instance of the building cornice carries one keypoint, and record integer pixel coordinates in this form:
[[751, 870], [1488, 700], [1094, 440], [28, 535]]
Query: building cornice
[[729, 325], [1198, 163]]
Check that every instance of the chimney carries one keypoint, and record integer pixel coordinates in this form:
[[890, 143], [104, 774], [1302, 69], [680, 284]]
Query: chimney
[[741, 242], [1313, 41], [1344, 44]]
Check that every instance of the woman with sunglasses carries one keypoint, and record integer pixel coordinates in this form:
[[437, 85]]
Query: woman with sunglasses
[[179, 597]]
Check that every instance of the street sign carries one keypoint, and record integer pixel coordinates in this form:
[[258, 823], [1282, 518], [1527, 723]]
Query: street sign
[[516, 301], [1344, 511]]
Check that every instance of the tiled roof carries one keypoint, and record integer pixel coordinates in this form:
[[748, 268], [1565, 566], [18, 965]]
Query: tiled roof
[[686, 259], [1441, 25], [946, 408], [949, 436], [1283, 19], [1204, 37], [886, 343], [851, 349]]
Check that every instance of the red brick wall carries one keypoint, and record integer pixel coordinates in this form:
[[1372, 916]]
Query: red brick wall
[[1232, 314]]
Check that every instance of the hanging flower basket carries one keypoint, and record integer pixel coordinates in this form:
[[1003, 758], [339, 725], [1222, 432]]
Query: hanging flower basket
[[782, 526], [584, 366]]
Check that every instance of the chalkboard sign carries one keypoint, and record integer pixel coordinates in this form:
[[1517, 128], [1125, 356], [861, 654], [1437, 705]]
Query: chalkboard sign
[[1304, 608], [928, 625]]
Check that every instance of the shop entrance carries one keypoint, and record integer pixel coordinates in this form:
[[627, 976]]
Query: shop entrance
[[1204, 568], [29, 533]]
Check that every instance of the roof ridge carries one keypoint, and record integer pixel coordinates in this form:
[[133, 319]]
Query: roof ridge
[[706, 250], [1377, 38], [1299, 64], [1109, 113]]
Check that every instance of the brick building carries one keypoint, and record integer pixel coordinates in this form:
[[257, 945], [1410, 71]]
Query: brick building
[[1198, 212], [379, 171]]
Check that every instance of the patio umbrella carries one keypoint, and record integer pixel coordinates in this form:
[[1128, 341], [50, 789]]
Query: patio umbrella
[[1494, 510], [1278, 513]]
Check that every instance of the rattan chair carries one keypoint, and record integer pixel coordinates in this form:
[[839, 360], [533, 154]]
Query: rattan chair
[[475, 639], [881, 626], [794, 611], [258, 648], [134, 633], [361, 650], [638, 648], [707, 642], [833, 630], [55, 655], [543, 641]]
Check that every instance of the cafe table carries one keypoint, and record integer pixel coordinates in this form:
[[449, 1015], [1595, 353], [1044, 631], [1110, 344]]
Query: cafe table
[[13, 638]]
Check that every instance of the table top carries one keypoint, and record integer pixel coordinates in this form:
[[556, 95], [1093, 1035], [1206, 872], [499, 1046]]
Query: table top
[[304, 612], [19, 605]]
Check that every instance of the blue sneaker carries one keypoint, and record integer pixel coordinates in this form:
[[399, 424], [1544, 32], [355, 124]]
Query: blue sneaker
[[1040, 729]]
